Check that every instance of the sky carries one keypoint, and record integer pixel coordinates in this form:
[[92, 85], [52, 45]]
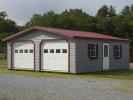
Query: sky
[[22, 10]]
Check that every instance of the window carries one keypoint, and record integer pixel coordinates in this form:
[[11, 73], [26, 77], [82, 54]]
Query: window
[[20, 51], [31, 51], [57, 50], [16, 51], [93, 51], [25, 51], [64, 50], [117, 51], [106, 51], [51, 50], [45, 50]]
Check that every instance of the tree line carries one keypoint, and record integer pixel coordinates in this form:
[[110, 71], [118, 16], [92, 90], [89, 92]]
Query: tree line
[[106, 21]]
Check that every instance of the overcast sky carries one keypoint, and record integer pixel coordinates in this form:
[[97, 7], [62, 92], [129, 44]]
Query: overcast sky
[[22, 10]]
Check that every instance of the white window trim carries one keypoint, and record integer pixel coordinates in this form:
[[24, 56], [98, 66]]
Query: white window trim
[[104, 51]]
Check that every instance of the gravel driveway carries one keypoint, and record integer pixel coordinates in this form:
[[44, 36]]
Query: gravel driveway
[[16, 87]]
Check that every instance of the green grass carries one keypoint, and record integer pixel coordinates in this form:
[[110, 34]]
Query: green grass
[[2, 63], [118, 74]]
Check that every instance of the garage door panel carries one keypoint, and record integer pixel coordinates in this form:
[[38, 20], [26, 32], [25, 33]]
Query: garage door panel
[[57, 61], [24, 58]]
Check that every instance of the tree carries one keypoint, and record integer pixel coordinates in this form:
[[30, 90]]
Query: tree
[[69, 19], [47, 19], [7, 25], [103, 11], [125, 11], [106, 21], [3, 15], [124, 23], [104, 18]]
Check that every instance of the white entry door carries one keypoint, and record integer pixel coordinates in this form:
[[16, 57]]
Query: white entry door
[[55, 56], [105, 56]]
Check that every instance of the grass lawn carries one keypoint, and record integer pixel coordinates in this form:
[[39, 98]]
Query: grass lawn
[[2, 63], [119, 74]]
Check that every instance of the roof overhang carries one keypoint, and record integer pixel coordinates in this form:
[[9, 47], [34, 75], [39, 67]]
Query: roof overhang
[[11, 37], [124, 40]]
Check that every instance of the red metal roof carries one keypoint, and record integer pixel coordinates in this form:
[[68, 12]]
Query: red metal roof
[[67, 33]]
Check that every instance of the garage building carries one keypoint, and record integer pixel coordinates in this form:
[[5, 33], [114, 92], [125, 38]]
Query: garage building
[[60, 50]]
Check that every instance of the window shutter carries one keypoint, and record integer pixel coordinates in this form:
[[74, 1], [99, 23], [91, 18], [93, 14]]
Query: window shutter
[[89, 50], [115, 55], [120, 51], [96, 51], [114, 49]]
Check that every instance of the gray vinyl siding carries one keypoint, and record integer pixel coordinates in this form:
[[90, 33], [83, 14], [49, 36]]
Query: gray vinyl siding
[[37, 37], [85, 64], [123, 62]]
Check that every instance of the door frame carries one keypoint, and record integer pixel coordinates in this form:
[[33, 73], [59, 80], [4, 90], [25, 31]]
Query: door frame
[[108, 56], [12, 55], [47, 40]]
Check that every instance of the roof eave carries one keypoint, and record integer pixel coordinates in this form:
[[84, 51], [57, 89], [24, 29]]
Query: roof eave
[[45, 30], [122, 40], [28, 30], [17, 34]]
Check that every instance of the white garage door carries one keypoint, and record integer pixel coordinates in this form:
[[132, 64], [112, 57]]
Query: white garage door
[[23, 55], [55, 56]]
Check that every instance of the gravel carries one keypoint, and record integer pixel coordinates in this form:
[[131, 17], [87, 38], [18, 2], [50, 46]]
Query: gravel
[[16, 87]]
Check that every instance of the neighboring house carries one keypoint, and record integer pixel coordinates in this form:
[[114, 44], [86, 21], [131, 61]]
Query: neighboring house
[[59, 50]]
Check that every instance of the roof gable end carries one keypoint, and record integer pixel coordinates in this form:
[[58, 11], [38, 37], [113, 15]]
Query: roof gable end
[[29, 30]]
